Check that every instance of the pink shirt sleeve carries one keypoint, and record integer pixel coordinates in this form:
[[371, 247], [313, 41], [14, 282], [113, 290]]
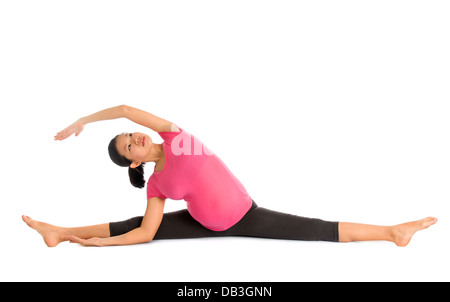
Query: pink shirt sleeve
[[152, 191]]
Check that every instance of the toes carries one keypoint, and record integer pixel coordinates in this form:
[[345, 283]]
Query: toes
[[25, 218], [28, 221], [429, 221]]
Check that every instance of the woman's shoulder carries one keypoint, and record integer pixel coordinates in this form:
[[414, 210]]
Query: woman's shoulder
[[168, 136], [174, 128]]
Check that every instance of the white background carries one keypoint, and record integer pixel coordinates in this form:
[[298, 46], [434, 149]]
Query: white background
[[329, 109]]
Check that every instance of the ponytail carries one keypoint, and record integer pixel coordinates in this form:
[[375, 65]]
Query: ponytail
[[136, 174]]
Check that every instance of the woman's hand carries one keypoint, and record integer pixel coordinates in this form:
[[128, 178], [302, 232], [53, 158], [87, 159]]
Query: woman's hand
[[94, 241], [76, 128], [135, 115]]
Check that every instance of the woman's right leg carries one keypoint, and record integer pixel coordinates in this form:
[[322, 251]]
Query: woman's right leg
[[53, 235], [174, 225]]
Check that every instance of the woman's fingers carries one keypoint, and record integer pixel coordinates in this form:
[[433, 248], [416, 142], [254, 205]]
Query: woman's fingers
[[66, 133], [75, 128], [63, 134], [75, 239], [59, 136], [94, 241]]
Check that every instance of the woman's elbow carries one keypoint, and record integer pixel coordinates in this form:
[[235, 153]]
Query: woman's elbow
[[123, 109], [138, 235], [148, 239], [147, 236], [139, 239]]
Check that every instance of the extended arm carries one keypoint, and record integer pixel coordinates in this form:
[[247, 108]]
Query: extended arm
[[145, 233], [123, 111]]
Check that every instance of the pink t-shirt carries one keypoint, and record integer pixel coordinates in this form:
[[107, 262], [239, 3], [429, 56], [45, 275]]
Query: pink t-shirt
[[214, 196]]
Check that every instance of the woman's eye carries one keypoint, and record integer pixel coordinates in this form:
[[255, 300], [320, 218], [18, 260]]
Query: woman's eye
[[129, 147], [130, 134]]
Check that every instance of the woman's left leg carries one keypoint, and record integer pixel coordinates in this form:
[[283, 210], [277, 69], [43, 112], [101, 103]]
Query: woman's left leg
[[264, 223], [400, 234], [261, 222]]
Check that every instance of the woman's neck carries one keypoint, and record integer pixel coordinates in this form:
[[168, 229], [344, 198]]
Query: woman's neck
[[157, 156]]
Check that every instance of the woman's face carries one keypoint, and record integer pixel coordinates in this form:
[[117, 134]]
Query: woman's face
[[134, 146]]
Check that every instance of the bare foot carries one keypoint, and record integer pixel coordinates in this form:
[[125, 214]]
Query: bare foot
[[51, 234], [402, 233]]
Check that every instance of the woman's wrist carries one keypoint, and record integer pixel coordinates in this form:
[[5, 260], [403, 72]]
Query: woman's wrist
[[83, 120]]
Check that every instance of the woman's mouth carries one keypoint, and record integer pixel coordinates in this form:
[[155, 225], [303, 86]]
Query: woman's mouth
[[143, 141]]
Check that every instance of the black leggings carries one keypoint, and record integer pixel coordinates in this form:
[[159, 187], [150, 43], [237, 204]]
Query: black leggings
[[257, 222]]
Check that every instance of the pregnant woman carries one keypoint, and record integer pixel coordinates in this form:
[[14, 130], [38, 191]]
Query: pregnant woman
[[217, 203]]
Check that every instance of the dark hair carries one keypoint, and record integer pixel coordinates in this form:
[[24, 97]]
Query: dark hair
[[136, 174]]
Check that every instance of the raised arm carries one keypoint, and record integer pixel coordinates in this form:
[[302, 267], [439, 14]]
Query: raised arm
[[147, 119], [145, 233], [133, 114]]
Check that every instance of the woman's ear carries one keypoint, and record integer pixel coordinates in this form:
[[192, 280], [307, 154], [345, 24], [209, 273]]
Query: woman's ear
[[135, 164]]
